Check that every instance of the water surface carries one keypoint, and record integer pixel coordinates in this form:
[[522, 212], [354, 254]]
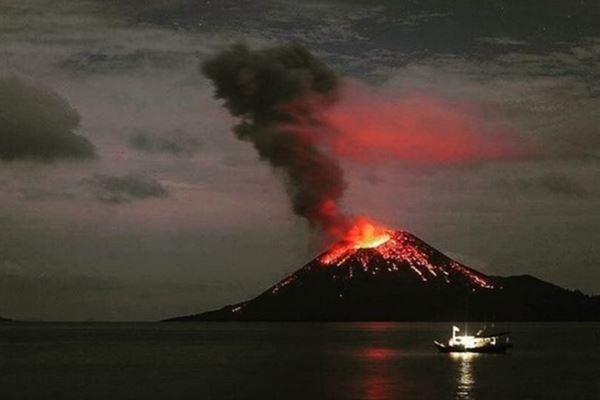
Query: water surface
[[291, 361]]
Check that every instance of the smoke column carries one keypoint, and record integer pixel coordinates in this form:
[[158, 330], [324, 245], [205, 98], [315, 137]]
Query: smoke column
[[302, 119], [259, 86]]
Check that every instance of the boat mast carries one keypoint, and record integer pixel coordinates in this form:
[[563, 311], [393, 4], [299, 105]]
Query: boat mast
[[467, 314]]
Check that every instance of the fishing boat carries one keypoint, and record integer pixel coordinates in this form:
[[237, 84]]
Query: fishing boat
[[482, 342]]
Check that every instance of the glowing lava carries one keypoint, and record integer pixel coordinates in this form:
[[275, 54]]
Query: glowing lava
[[364, 234], [376, 249]]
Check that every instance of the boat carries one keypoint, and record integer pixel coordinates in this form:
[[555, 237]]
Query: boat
[[482, 342]]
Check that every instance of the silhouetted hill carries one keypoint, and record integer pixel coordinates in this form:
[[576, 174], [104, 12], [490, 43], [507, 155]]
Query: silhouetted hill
[[404, 279]]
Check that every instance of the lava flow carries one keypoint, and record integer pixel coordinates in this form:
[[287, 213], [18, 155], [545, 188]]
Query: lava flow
[[364, 234], [377, 249]]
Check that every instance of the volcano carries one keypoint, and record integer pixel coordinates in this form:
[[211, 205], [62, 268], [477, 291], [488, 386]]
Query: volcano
[[377, 274]]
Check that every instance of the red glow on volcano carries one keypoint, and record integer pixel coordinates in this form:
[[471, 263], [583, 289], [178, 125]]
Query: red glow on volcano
[[377, 249], [363, 234], [366, 234]]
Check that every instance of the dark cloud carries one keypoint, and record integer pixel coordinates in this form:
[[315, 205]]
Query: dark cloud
[[271, 90], [125, 189], [37, 123], [177, 142]]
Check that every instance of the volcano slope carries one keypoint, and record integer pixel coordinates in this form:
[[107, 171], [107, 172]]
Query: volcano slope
[[399, 277]]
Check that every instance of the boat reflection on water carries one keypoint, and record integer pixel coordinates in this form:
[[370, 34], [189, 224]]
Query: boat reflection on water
[[465, 382], [384, 377]]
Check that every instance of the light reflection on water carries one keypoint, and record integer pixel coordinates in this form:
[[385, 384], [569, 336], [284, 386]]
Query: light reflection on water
[[376, 381], [465, 377], [379, 382], [378, 353], [382, 380], [290, 361]]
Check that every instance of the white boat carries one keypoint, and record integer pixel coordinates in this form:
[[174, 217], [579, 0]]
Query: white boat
[[482, 342]]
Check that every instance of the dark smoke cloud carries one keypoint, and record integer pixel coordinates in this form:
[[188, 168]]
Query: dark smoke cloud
[[125, 189], [272, 90], [38, 124]]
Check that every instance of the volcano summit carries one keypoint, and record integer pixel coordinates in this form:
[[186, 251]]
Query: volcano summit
[[381, 274]]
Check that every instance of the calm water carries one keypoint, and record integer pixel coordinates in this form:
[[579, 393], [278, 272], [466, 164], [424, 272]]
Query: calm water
[[291, 361]]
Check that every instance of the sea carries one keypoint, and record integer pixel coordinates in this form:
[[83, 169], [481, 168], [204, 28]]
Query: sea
[[304, 361]]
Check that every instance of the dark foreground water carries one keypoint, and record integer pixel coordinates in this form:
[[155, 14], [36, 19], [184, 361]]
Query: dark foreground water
[[291, 361]]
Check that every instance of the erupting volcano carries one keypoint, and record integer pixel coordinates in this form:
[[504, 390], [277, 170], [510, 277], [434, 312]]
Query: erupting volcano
[[378, 274], [303, 120]]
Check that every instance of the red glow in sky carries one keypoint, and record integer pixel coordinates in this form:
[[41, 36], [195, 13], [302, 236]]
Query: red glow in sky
[[415, 128]]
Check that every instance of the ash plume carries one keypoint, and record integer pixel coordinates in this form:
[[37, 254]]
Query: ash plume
[[273, 91], [302, 119]]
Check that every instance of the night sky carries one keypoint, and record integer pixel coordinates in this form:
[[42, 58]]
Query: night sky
[[125, 195]]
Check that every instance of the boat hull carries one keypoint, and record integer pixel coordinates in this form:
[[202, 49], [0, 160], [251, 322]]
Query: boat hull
[[491, 349]]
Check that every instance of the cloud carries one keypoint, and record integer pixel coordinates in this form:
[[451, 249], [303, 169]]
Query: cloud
[[125, 189], [176, 142], [554, 110], [36, 123]]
